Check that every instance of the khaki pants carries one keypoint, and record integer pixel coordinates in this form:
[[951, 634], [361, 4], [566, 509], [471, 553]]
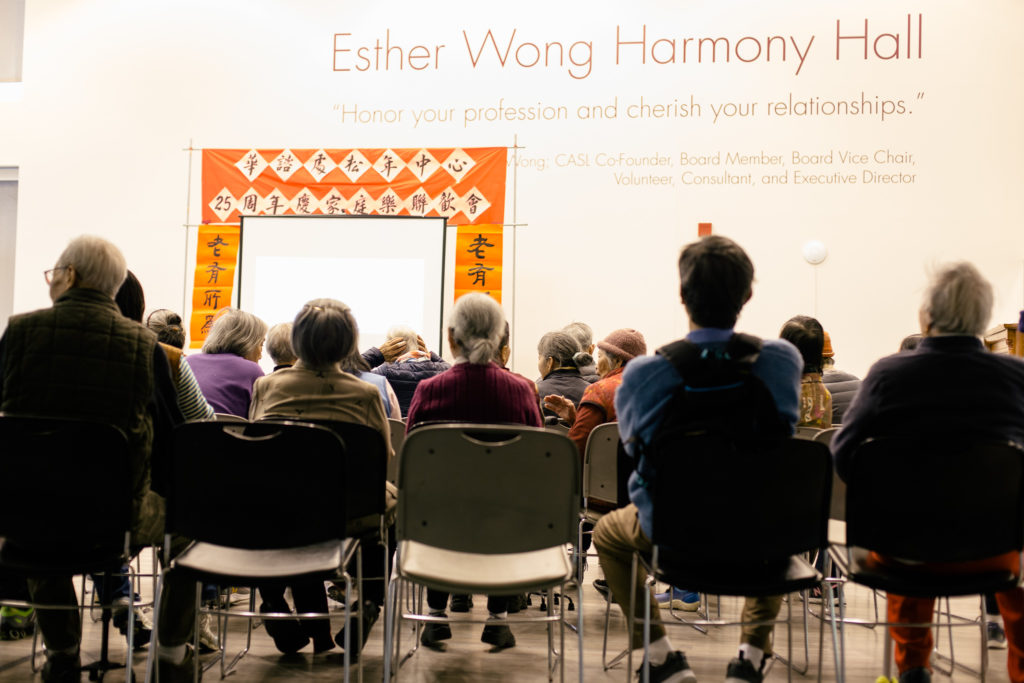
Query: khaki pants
[[616, 536]]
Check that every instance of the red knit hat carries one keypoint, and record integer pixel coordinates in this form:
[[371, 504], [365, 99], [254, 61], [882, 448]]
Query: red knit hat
[[826, 351], [626, 344]]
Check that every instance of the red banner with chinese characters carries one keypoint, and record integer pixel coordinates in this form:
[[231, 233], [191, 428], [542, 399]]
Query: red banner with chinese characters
[[216, 257], [465, 185]]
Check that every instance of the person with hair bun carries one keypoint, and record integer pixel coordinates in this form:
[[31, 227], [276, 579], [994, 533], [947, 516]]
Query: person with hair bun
[[559, 375], [584, 359], [475, 389], [167, 326]]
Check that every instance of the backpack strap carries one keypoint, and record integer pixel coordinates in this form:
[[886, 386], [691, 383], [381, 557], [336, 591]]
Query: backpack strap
[[741, 352]]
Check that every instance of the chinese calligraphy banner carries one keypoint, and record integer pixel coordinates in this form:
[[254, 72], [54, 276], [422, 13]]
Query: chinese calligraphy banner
[[464, 185], [216, 256]]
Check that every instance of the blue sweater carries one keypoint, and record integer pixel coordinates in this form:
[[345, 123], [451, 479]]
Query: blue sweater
[[650, 382]]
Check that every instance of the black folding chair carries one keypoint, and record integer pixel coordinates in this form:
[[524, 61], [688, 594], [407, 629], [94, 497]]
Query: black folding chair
[[56, 468], [905, 499], [773, 495], [282, 519]]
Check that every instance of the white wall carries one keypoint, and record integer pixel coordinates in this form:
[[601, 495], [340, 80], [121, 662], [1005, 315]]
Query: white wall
[[114, 91]]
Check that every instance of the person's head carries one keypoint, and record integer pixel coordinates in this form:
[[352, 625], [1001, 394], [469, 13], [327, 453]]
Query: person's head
[[911, 342], [958, 301], [827, 354], [279, 344], [618, 348], [167, 325], [324, 332], [807, 335], [504, 349], [406, 334], [130, 298], [237, 332], [584, 336], [715, 278], [88, 262], [556, 350], [475, 328]]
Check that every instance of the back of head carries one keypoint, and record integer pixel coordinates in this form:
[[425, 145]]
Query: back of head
[[911, 342], [715, 278], [97, 263], [958, 301], [584, 336], [560, 346], [477, 324], [130, 298], [279, 344], [623, 345], [236, 332], [167, 326], [406, 334], [324, 332], [807, 335]]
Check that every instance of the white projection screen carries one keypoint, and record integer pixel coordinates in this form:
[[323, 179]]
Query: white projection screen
[[389, 270]]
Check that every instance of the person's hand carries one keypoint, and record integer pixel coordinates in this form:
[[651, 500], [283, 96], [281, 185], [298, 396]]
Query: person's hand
[[392, 349], [562, 407], [422, 344]]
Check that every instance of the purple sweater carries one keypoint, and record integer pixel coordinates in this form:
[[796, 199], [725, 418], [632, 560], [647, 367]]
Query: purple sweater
[[486, 394], [226, 380]]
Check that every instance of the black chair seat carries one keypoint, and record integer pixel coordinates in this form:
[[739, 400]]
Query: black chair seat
[[245, 567], [743, 578], [912, 581], [48, 561]]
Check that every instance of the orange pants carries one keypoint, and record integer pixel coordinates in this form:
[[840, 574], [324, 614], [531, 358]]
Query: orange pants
[[914, 645]]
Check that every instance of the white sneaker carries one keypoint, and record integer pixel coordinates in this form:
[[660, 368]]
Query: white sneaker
[[207, 641]]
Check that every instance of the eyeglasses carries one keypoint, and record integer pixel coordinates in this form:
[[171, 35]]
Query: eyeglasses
[[48, 274]]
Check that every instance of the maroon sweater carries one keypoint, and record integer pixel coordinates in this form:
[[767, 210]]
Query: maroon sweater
[[475, 393]]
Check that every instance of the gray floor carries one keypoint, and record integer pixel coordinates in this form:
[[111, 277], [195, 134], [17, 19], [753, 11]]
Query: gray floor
[[467, 659]]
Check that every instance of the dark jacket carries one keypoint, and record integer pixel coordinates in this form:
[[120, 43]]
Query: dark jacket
[[406, 375], [82, 358], [567, 382], [947, 386], [843, 386]]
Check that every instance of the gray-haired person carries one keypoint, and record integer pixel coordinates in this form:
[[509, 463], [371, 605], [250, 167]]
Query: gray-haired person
[[409, 369], [559, 376], [584, 359], [279, 346], [227, 368]]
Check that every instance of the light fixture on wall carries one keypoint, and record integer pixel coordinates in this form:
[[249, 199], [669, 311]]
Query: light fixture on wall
[[815, 252]]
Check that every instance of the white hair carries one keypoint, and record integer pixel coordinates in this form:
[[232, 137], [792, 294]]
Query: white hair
[[235, 332], [279, 344], [99, 264], [406, 333], [958, 300], [477, 324]]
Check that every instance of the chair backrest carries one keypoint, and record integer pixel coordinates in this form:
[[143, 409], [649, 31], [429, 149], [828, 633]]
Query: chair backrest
[[837, 509], [767, 503], [267, 485], [55, 468], [936, 501], [600, 464], [807, 433], [488, 488], [397, 439]]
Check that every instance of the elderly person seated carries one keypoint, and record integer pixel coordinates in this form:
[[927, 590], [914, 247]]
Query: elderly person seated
[[475, 389], [279, 346], [355, 364], [584, 360], [323, 334], [227, 367], [556, 353], [807, 335], [598, 403], [410, 368], [949, 387]]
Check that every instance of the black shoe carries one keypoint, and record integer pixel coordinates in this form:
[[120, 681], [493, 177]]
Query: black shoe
[[434, 633], [369, 613], [462, 603], [62, 668], [178, 673], [675, 669], [287, 633], [996, 636], [601, 586], [498, 635], [741, 670], [916, 675]]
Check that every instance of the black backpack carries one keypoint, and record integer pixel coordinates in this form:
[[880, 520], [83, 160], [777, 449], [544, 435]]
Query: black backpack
[[720, 397]]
